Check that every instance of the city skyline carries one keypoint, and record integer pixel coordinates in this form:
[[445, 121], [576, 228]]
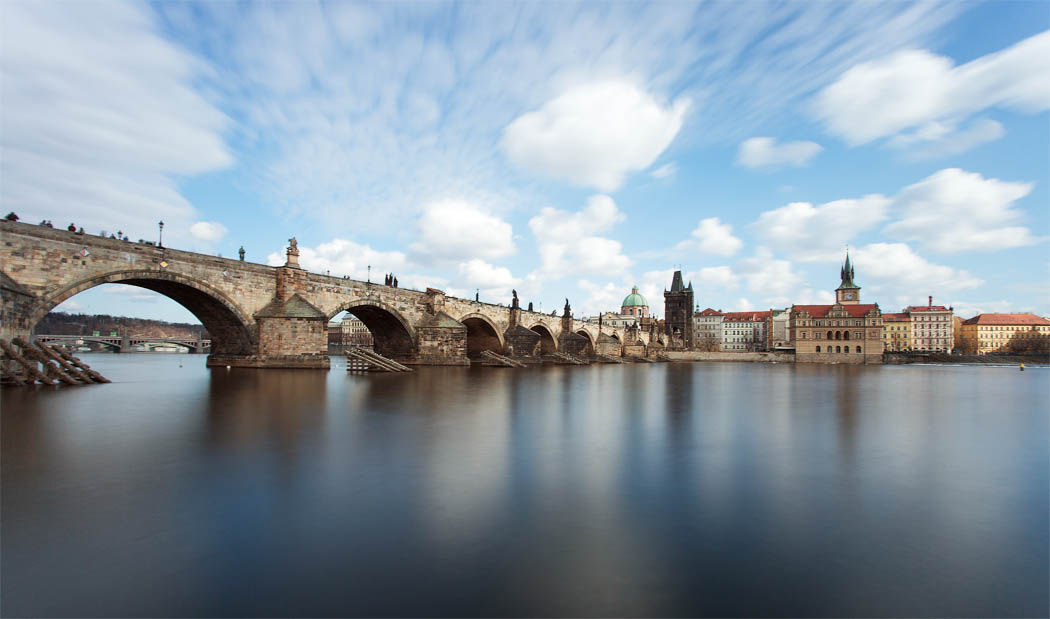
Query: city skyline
[[563, 152]]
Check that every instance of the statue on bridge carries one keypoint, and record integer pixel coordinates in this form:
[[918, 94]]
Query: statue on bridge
[[568, 310], [293, 254], [240, 252], [514, 300]]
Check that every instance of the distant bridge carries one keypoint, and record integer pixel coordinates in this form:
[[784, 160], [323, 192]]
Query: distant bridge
[[263, 316], [125, 344]]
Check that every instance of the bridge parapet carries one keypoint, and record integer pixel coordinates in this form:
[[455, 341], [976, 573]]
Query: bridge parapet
[[264, 316]]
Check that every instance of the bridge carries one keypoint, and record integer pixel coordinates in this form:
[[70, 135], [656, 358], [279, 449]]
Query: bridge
[[263, 316], [125, 343]]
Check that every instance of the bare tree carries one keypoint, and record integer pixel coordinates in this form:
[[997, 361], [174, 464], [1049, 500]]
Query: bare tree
[[707, 341]]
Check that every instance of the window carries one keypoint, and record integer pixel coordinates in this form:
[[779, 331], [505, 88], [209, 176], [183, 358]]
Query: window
[[846, 349], [818, 348], [838, 349]]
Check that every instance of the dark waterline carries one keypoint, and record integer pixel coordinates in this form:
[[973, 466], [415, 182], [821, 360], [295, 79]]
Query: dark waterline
[[635, 490]]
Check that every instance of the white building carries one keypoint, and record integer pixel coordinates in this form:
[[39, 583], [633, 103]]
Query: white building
[[932, 327], [745, 331], [707, 330]]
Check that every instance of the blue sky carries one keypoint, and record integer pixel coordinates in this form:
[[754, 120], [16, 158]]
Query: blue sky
[[565, 150]]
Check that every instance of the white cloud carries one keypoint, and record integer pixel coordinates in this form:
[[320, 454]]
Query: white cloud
[[774, 278], [969, 309], [953, 210], [808, 232], [493, 280], [941, 139], [891, 267], [721, 276], [595, 134], [97, 134], [741, 305], [911, 88], [667, 170], [69, 305], [567, 243], [342, 257], [457, 229], [600, 298], [208, 231], [713, 237], [766, 153]]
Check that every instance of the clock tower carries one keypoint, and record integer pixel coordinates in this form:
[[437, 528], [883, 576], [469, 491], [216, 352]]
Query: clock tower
[[847, 293]]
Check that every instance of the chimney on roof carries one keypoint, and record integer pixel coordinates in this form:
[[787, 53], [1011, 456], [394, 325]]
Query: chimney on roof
[[931, 300]]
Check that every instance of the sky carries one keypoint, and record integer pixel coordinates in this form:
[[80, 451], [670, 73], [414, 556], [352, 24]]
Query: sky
[[559, 149]]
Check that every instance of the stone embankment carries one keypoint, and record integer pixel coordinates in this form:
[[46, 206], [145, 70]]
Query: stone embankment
[[991, 359], [693, 355]]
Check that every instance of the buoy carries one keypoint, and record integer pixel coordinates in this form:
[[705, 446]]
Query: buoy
[[1021, 367]]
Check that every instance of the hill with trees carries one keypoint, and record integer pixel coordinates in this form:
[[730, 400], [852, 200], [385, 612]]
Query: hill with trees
[[61, 323]]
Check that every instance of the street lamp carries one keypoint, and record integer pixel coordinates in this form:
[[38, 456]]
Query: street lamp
[[160, 236]]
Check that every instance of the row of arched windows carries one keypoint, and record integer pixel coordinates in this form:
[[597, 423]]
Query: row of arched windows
[[840, 349]]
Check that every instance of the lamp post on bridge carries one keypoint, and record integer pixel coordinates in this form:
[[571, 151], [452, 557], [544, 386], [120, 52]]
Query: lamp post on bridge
[[160, 234]]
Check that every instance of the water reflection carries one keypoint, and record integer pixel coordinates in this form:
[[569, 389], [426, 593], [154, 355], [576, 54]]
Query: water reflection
[[670, 489]]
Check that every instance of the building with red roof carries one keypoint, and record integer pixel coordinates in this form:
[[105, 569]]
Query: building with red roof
[[896, 332], [745, 331], [847, 332], [987, 333]]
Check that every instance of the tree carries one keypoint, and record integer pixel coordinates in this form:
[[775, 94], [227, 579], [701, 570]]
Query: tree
[[708, 341]]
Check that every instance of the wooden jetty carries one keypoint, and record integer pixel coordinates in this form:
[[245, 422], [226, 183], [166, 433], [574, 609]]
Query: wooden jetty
[[23, 363], [360, 359], [494, 358]]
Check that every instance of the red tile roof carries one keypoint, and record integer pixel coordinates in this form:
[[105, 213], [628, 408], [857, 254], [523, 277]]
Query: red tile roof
[[926, 308], [1006, 319], [896, 318], [746, 316], [709, 312], [820, 311]]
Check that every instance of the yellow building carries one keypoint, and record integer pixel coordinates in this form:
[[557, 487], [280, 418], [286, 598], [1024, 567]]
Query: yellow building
[[987, 333], [896, 332]]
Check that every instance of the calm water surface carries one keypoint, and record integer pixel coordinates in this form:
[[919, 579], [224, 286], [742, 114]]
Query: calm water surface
[[669, 489]]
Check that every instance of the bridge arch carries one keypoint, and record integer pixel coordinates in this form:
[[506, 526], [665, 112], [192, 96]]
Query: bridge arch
[[231, 330], [482, 334], [392, 335], [590, 340], [548, 344]]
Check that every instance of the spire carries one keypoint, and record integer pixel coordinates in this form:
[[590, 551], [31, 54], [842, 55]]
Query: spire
[[846, 274], [676, 282]]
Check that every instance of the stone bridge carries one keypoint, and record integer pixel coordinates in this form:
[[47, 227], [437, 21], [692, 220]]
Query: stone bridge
[[263, 316], [125, 343]]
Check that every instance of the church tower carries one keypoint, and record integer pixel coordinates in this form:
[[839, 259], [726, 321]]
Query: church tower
[[678, 311], [847, 293]]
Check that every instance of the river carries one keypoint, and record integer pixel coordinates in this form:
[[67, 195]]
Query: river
[[684, 489]]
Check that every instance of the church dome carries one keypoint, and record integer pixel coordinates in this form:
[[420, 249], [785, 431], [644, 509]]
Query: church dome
[[634, 299]]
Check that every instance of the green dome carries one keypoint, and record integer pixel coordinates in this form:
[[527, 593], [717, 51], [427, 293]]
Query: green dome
[[634, 299]]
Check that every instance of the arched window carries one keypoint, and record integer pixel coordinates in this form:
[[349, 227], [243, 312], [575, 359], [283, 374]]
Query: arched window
[[830, 336], [858, 349], [838, 335], [838, 349], [845, 335], [818, 348], [845, 349]]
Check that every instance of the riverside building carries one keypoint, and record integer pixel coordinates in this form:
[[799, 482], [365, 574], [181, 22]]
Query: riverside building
[[932, 327], [896, 332], [744, 331], [847, 332], [987, 333]]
